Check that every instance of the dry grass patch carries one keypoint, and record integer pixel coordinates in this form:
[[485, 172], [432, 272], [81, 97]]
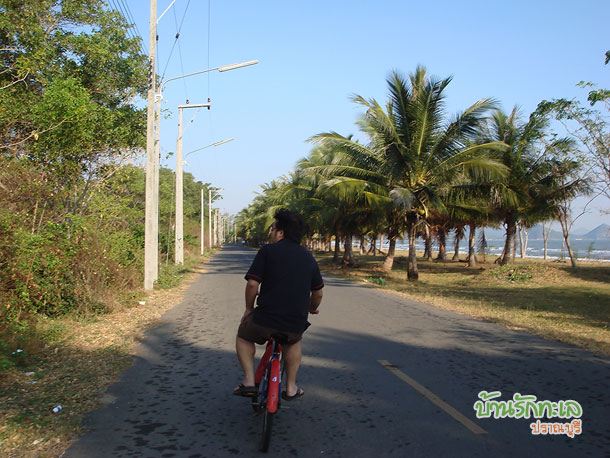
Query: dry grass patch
[[546, 298], [81, 358]]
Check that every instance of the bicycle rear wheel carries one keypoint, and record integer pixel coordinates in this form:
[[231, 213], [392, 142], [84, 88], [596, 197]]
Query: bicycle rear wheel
[[267, 425]]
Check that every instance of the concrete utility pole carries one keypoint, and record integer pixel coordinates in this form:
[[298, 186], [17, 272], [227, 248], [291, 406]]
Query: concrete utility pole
[[179, 245], [151, 225], [215, 225], [157, 163], [151, 250], [222, 228], [202, 239], [210, 217]]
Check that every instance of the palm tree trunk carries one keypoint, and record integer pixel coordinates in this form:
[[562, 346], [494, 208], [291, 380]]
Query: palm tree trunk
[[459, 233], [373, 247], [514, 247], [348, 257], [508, 243], [362, 247], [472, 237], [442, 242], [522, 241], [381, 244], [427, 243], [388, 262], [337, 248], [412, 272]]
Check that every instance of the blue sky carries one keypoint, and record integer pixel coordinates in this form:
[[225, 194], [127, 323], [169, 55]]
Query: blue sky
[[313, 55]]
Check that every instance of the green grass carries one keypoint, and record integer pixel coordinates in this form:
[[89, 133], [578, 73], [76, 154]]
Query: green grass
[[550, 298]]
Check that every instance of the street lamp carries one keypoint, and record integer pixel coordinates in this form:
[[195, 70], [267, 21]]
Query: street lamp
[[151, 231], [202, 239], [179, 241], [211, 235], [222, 142]]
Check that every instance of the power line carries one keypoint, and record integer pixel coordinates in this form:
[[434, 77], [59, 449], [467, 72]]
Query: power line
[[191, 121], [134, 24], [118, 9], [186, 95], [132, 31], [177, 36]]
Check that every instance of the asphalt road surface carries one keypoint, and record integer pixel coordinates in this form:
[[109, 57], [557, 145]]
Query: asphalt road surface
[[383, 377]]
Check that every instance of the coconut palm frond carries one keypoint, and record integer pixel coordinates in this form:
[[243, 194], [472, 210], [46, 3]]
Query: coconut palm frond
[[339, 143], [484, 169], [330, 171]]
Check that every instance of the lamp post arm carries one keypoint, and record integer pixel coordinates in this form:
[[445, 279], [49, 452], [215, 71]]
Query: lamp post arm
[[222, 142], [223, 68], [162, 85]]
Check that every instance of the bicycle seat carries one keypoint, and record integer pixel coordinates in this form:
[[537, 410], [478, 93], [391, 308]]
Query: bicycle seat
[[280, 338]]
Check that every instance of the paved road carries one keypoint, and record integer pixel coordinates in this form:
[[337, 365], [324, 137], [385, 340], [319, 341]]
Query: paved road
[[175, 400]]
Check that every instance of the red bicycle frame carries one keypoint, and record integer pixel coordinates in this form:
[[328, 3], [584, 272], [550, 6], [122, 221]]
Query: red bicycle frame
[[274, 374]]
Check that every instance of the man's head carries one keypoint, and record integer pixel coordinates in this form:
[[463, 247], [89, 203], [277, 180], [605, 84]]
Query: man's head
[[288, 225]]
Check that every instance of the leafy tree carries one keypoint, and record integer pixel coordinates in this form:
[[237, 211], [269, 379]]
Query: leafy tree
[[68, 85], [590, 127]]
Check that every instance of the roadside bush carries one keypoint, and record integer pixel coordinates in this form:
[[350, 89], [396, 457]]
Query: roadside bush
[[381, 281], [54, 262], [512, 273], [73, 249]]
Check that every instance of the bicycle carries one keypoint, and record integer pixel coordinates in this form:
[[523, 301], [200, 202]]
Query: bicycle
[[268, 378]]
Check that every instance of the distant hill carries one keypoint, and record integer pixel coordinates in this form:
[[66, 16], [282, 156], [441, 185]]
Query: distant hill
[[601, 232]]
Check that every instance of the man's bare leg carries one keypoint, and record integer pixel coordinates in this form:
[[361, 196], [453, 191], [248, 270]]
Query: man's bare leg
[[292, 362], [245, 354]]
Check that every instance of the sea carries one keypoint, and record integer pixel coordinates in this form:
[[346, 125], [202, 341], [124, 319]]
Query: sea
[[583, 249]]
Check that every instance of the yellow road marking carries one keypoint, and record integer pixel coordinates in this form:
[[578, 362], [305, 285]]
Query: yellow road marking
[[472, 426]]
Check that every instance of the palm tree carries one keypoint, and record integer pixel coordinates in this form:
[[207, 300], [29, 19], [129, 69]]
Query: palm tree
[[413, 155], [536, 182]]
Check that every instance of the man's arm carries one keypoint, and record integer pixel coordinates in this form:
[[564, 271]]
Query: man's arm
[[251, 292], [314, 301]]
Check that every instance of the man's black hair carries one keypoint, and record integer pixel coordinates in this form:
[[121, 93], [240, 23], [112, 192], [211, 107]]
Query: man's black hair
[[291, 223]]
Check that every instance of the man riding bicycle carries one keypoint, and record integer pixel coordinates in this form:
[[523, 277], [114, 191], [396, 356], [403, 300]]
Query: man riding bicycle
[[290, 288]]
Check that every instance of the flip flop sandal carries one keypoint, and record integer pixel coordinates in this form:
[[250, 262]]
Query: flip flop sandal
[[247, 391], [298, 394]]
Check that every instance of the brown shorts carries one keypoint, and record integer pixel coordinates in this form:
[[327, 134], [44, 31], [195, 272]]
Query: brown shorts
[[252, 332]]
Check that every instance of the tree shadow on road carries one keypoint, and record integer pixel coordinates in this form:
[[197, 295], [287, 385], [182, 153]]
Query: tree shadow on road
[[176, 399]]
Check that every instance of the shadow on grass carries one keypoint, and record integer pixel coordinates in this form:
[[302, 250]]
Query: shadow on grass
[[574, 305], [589, 273], [374, 263], [452, 280]]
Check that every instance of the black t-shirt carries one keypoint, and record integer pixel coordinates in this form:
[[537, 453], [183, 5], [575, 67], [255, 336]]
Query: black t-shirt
[[287, 273]]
